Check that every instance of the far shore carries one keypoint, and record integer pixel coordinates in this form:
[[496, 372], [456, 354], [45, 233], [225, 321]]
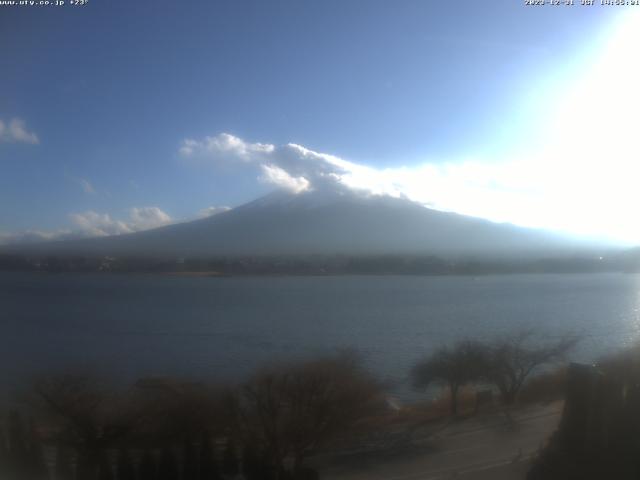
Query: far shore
[[210, 273]]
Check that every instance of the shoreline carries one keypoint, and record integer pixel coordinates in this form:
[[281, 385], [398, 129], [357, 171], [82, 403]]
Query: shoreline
[[219, 274]]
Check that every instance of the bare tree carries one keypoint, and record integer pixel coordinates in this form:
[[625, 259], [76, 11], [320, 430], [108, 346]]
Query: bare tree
[[89, 418], [181, 411], [22, 455], [453, 367], [511, 360], [287, 411]]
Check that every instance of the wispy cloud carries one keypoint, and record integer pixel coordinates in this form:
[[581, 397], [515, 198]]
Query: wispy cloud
[[274, 175], [218, 146], [95, 224], [86, 186], [34, 236], [145, 218], [15, 130], [210, 211], [90, 223]]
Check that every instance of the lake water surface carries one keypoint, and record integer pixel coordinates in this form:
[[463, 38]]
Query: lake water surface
[[133, 325]]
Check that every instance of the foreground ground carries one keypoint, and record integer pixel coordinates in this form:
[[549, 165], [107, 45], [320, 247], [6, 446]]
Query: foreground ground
[[492, 446]]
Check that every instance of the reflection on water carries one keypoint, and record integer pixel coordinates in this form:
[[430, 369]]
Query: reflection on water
[[134, 325]]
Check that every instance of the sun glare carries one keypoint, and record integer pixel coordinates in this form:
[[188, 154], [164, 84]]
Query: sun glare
[[581, 178], [594, 146]]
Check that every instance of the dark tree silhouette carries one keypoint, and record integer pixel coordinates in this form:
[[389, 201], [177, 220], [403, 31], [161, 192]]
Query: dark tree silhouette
[[63, 468], [254, 464], [230, 466], [180, 409], [148, 468], [292, 409], [306, 473], [208, 464], [168, 465], [4, 455], [18, 448], [92, 418], [37, 467], [453, 367], [511, 360], [189, 461], [125, 469], [105, 471], [22, 454]]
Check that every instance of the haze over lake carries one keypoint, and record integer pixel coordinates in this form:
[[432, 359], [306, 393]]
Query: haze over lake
[[134, 325]]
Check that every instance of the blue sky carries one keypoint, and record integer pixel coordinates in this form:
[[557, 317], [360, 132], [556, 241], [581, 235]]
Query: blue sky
[[99, 102]]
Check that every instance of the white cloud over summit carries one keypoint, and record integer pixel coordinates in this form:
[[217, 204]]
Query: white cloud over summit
[[290, 167], [274, 175], [553, 188], [295, 168]]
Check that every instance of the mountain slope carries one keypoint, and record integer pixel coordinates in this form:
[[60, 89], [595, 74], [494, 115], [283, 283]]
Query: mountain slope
[[312, 223]]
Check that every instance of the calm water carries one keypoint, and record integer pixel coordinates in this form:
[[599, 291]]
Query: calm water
[[223, 327]]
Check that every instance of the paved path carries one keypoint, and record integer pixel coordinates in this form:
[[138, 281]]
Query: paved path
[[483, 447]]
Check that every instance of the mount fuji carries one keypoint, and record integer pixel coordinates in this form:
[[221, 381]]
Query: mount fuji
[[318, 222]]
